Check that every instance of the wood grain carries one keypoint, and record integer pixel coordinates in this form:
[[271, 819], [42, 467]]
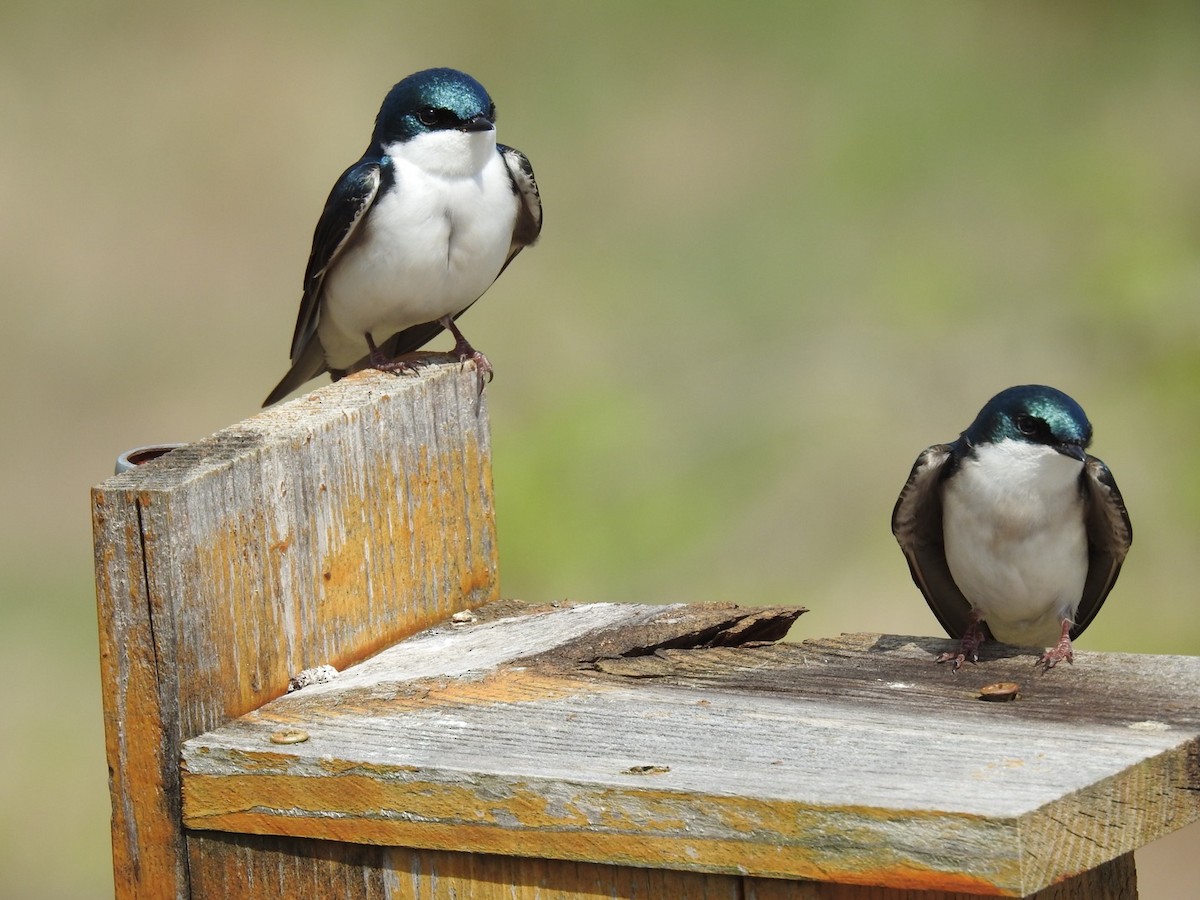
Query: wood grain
[[317, 532], [559, 733], [255, 867], [258, 868]]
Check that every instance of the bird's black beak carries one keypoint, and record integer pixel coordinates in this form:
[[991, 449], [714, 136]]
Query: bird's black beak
[[1075, 451], [477, 123]]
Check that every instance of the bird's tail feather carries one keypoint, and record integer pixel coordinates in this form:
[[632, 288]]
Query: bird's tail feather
[[307, 366]]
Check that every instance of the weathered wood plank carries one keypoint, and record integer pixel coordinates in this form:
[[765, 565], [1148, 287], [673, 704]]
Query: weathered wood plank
[[853, 760], [316, 532], [136, 674], [256, 867], [233, 867]]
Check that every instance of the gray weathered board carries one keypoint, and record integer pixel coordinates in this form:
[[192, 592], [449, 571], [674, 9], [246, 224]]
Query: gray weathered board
[[682, 737]]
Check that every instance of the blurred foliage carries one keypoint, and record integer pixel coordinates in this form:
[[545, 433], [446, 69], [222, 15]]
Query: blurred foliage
[[787, 247]]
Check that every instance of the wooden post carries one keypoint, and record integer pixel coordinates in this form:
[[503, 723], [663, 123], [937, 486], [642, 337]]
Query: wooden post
[[317, 532], [565, 750]]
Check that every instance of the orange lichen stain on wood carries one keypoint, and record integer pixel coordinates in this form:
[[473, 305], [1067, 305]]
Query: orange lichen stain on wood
[[914, 878], [414, 524], [461, 822], [481, 574], [390, 700], [370, 792], [367, 798], [506, 686], [338, 767], [344, 799], [393, 567], [257, 762], [228, 568], [367, 515], [144, 830], [794, 826], [393, 805]]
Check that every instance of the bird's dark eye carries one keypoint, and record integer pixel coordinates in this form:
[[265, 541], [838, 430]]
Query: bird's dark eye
[[429, 115], [1027, 425], [492, 112]]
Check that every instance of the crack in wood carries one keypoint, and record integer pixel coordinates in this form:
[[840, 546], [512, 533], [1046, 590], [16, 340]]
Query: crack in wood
[[764, 625], [148, 586], [640, 647], [643, 650]]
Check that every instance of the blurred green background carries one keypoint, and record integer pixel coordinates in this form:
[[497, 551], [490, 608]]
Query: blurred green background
[[787, 246]]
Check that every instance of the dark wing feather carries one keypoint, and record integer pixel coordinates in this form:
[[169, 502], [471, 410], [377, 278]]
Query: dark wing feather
[[529, 210], [917, 525], [345, 208], [526, 229], [1109, 536], [412, 338]]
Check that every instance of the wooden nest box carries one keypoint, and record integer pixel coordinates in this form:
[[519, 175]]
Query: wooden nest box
[[473, 747]]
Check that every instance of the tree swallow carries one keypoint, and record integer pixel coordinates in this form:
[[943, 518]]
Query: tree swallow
[[1013, 529], [413, 233]]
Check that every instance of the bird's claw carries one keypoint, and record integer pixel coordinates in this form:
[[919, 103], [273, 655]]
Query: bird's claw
[[1059, 652], [384, 363], [968, 646], [958, 659], [1056, 654], [483, 367], [394, 366]]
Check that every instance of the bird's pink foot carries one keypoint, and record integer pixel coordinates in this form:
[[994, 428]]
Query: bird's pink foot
[[1060, 651], [395, 367], [482, 364], [381, 361], [968, 647], [464, 351]]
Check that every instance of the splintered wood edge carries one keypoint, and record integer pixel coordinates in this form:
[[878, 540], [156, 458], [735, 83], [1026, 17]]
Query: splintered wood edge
[[295, 419], [638, 820], [555, 638]]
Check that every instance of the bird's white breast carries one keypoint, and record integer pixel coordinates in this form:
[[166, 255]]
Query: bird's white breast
[[431, 246], [1016, 543]]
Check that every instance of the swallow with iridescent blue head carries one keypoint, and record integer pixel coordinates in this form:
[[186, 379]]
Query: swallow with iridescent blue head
[[1013, 531], [413, 233]]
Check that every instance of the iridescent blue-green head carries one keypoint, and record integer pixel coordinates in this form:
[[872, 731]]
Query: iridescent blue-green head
[[1033, 414], [433, 100]]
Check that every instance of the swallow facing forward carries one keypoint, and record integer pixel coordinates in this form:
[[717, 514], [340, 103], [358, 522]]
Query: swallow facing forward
[[1013, 529], [413, 233]]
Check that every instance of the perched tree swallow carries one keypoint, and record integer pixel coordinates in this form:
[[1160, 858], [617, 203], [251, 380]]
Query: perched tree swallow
[[413, 233], [1014, 526]]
